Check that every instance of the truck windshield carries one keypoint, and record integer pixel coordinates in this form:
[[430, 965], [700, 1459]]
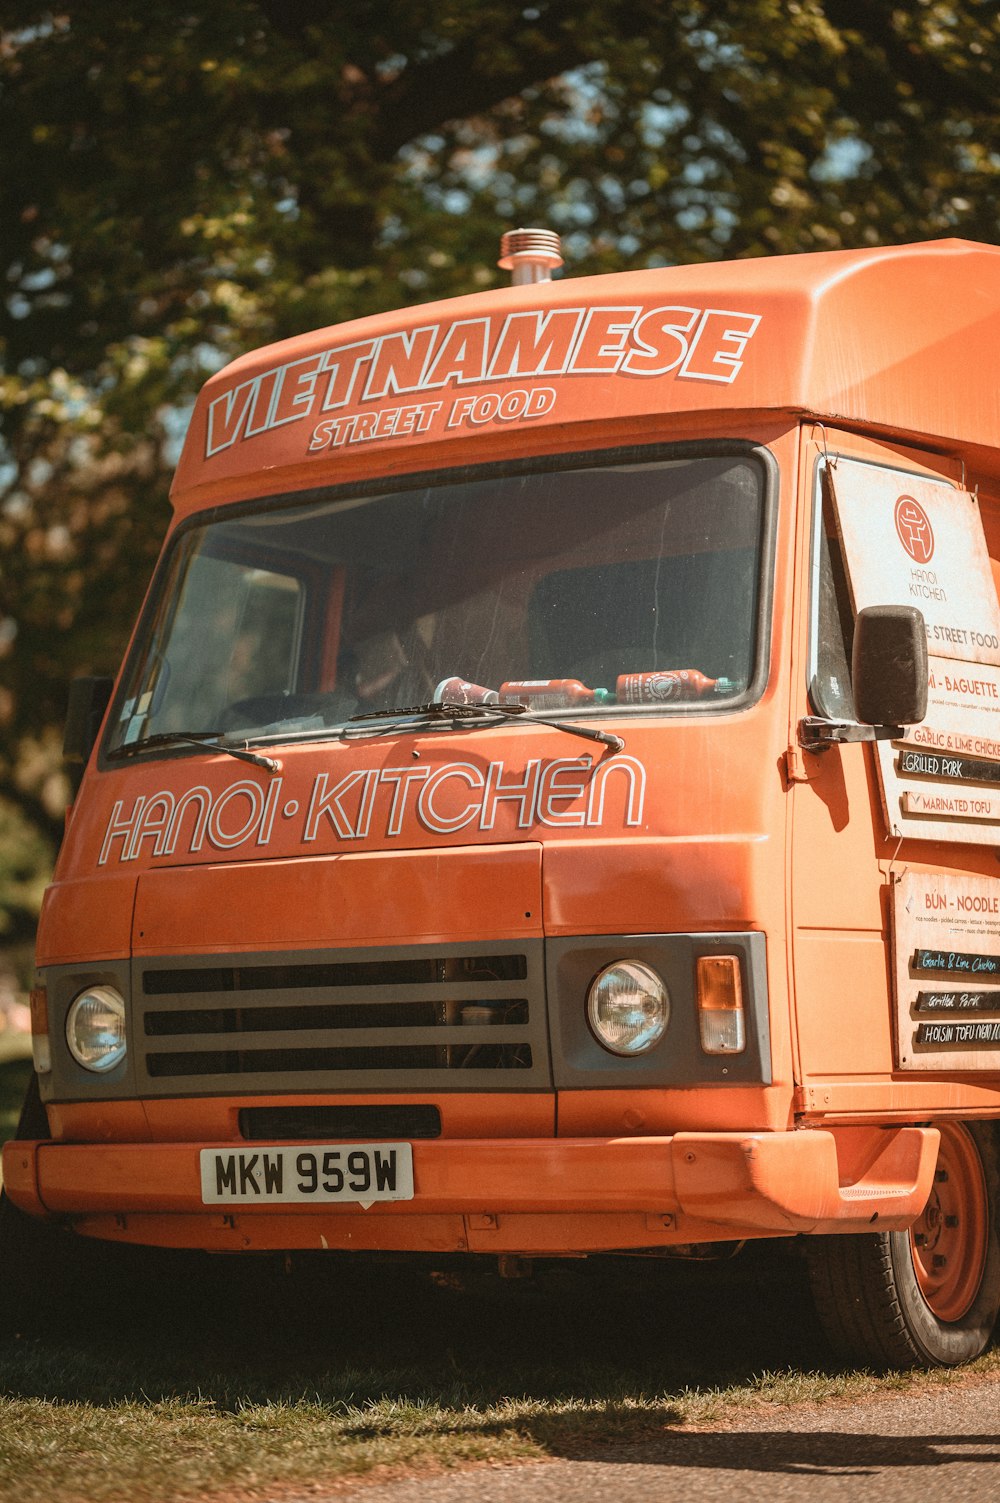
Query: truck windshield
[[615, 588]]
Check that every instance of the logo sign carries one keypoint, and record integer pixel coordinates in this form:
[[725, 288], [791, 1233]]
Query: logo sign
[[346, 393], [916, 540], [381, 803], [922, 546], [914, 530]]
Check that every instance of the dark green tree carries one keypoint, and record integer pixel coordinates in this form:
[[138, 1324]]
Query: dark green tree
[[181, 182]]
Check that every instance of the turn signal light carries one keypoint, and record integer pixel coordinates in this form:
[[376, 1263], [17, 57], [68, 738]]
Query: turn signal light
[[720, 1005]]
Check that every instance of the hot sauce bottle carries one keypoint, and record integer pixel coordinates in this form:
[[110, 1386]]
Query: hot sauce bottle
[[458, 691], [552, 693], [669, 684], [659, 687]]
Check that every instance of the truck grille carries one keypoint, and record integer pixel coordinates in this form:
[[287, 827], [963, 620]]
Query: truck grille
[[454, 1017]]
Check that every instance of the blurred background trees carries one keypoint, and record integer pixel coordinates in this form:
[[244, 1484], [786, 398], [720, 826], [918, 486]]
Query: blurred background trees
[[181, 182]]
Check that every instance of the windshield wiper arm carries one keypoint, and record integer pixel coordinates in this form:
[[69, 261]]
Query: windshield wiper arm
[[444, 709], [485, 715], [589, 733], [208, 740]]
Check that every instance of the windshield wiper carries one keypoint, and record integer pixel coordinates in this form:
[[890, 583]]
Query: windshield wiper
[[207, 740], [482, 716]]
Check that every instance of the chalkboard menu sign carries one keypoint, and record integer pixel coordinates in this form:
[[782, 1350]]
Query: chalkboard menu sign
[[946, 962]]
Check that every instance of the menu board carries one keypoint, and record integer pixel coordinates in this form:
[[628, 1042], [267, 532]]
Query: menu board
[[946, 965], [912, 541]]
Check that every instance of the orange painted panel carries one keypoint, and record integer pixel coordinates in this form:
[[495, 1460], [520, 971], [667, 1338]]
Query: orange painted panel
[[86, 920], [390, 898], [99, 1122], [711, 1108], [800, 1181], [845, 1025], [662, 886]]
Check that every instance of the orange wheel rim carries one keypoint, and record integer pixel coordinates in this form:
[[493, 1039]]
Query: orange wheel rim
[[949, 1241]]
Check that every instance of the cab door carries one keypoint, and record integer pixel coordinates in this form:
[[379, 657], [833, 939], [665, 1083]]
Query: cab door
[[844, 839]]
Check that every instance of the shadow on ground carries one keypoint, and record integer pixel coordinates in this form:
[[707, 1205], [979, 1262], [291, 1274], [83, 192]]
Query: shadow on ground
[[827, 1453], [89, 1322], [100, 1324]]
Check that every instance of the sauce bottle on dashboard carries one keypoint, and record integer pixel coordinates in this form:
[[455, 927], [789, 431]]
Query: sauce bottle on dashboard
[[668, 684], [458, 691], [552, 693]]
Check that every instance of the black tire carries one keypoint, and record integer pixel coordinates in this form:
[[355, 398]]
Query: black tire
[[890, 1299]]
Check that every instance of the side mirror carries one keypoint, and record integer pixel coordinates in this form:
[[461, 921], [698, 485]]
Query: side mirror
[[889, 665], [88, 701]]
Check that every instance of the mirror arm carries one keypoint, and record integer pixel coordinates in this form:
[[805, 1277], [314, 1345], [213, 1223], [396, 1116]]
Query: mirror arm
[[817, 734]]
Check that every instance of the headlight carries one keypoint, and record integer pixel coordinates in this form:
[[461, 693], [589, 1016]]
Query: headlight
[[95, 1028], [628, 1007]]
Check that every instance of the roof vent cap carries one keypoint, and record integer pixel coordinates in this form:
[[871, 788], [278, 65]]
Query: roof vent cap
[[530, 255]]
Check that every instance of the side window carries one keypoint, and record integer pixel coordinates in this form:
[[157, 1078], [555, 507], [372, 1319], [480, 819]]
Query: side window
[[833, 620]]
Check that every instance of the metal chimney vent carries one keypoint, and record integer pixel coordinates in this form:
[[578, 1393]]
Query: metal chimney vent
[[530, 255]]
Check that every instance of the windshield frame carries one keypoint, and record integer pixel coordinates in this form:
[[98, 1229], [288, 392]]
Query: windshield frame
[[358, 490]]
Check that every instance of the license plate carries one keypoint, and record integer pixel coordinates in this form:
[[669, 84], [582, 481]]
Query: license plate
[[307, 1174]]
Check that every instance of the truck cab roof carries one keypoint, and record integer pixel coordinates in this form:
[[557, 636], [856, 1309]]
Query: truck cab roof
[[894, 340]]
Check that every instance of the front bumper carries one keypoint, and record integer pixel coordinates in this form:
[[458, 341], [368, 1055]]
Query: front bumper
[[513, 1195]]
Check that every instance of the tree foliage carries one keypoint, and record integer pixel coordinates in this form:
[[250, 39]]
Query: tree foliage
[[181, 182]]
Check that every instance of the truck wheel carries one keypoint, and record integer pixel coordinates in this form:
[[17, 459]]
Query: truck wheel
[[927, 1297]]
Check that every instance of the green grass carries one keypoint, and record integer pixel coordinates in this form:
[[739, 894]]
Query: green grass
[[179, 1377]]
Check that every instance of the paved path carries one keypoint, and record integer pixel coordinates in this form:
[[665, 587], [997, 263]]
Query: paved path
[[943, 1445]]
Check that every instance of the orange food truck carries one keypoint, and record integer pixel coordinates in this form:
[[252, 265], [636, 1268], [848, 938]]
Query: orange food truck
[[549, 803]]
